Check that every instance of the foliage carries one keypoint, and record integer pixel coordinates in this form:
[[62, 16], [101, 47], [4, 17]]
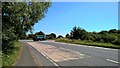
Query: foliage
[[51, 36], [18, 18], [77, 33], [9, 58], [86, 42], [60, 36], [117, 42], [40, 33], [103, 32], [108, 38], [67, 35], [88, 37], [113, 31], [23, 36], [0, 58], [104, 36], [30, 36]]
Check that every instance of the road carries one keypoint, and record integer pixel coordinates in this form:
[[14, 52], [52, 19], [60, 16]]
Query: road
[[50, 53], [31, 57]]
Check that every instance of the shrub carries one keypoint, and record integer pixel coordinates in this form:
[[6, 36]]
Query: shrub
[[109, 38]]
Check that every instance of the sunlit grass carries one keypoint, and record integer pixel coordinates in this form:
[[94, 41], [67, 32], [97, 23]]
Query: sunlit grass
[[90, 43]]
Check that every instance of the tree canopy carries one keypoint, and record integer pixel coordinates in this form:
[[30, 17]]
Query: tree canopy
[[20, 17], [40, 33], [77, 33], [60, 36]]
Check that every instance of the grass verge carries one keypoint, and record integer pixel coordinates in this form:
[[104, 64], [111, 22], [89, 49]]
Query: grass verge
[[90, 43], [0, 58], [10, 58]]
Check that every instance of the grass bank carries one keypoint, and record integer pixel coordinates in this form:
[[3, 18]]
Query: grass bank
[[0, 58], [10, 58], [90, 43]]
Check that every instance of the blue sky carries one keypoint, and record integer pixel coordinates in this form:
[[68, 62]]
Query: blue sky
[[91, 16]]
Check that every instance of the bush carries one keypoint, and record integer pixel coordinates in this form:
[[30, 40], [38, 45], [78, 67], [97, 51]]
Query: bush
[[117, 42], [63, 39], [89, 38], [109, 38], [7, 41]]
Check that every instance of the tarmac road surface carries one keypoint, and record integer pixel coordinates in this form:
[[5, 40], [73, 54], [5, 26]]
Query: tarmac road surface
[[50, 53]]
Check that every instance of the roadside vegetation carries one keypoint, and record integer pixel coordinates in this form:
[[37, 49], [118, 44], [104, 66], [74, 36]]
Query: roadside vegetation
[[110, 39], [0, 58], [17, 19], [104, 38], [89, 43], [12, 55]]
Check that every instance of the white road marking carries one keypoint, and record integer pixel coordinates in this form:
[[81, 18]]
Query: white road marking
[[112, 61]]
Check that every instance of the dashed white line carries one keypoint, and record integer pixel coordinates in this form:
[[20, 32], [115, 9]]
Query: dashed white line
[[112, 61]]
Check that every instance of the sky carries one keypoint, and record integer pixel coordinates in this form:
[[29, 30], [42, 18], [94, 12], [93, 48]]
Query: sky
[[91, 16]]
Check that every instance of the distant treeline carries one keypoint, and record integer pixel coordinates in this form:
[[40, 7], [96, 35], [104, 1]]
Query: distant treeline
[[77, 33], [48, 36]]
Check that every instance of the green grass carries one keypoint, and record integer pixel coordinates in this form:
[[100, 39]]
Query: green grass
[[89, 43], [0, 58], [10, 58]]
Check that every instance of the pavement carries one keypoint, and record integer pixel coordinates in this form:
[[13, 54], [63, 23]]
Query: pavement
[[50, 53]]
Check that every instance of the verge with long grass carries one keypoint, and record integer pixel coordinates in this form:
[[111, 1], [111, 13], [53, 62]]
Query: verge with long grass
[[9, 59], [89, 43]]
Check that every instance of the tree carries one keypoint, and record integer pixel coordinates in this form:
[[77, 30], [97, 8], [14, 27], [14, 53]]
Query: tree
[[18, 18], [103, 32], [60, 36], [23, 36], [53, 35], [88, 37], [77, 33], [40, 33], [113, 31], [30, 35], [67, 35]]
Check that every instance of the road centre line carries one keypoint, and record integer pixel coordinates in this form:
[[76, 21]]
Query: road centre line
[[112, 61]]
